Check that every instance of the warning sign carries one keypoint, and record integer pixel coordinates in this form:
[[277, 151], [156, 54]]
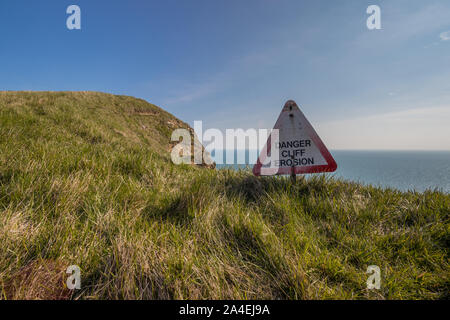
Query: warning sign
[[293, 147]]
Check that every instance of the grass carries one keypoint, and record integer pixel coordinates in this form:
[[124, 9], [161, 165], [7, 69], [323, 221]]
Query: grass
[[86, 179]]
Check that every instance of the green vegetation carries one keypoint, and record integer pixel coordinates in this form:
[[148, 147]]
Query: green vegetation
[[86, 179]]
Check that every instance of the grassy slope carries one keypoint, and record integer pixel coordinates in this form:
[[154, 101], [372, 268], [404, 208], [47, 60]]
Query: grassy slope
[[85, 179]]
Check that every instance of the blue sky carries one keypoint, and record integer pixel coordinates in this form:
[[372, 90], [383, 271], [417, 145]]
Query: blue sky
[[233, 64]]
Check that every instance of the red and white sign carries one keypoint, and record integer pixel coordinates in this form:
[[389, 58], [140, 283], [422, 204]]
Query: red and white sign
[[294, 147]]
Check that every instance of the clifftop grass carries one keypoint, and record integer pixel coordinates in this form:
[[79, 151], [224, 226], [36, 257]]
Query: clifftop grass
[[86, 179]]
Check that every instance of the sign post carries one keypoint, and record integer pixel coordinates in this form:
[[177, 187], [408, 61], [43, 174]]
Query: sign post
[[293, 175], [295, 149]]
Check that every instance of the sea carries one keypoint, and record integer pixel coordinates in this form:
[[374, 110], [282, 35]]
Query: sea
[[402, 170]]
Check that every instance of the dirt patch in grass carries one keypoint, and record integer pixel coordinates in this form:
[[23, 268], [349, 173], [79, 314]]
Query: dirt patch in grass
[[39, 280]]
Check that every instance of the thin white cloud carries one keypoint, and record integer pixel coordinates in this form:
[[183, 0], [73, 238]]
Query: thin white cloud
[[445, 36], [413, 129], [238, 68], [192, 93]]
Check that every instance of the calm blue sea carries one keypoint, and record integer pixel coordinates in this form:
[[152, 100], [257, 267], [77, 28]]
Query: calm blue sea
[[403, 170]]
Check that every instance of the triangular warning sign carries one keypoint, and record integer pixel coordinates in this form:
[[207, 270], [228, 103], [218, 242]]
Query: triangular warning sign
[[293, 147]]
